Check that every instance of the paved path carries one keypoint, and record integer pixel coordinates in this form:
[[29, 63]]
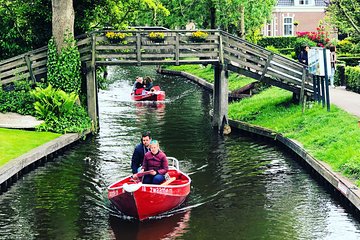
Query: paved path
[[15, 120], [349, 101]]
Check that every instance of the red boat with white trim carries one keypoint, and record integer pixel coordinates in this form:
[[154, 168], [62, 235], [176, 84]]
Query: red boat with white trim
[[146, 200], [155, 94]]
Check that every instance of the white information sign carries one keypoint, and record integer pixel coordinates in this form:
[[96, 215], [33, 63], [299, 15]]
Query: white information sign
[[316, 61]]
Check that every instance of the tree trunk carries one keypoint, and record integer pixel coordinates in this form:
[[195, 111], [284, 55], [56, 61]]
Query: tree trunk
[[212, 17], [62, 21]]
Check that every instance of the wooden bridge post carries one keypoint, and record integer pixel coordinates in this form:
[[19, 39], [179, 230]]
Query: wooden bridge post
[[91, 86], [220, 117]]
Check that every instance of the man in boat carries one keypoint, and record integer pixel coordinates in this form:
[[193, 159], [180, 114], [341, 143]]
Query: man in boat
[[138, 84], [156, 162], [139, 152]]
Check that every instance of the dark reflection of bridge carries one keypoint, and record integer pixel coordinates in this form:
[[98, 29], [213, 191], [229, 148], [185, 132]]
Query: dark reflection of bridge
[[226, 52]]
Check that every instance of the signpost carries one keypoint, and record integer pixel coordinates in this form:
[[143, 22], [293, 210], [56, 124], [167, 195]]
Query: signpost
[[319, 66]]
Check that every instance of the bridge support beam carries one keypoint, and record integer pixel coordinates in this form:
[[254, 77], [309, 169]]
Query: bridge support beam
[[92, 99], [220, 96]]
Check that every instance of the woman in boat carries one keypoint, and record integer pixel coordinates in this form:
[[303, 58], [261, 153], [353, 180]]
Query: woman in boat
[[156, 162], [148, 83]]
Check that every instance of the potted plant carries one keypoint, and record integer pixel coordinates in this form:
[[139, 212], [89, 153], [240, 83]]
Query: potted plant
[[116, 37], [198, 36], [157, 36]]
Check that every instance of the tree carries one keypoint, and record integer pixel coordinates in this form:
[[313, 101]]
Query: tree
[[62, 21], [345, 14]]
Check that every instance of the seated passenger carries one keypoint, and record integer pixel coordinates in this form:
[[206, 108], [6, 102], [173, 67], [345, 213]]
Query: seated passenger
[[138, 84], [148, 83], [157, 162]]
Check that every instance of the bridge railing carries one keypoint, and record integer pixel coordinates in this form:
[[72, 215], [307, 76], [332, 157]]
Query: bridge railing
[[176, 48], [137, 48], [264, 63], [24, 66]]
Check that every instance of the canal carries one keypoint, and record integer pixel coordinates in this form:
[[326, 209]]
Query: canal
[[242, 188]]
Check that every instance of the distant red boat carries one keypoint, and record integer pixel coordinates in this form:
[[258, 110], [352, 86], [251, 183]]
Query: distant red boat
[[142, 95], [146, 200]]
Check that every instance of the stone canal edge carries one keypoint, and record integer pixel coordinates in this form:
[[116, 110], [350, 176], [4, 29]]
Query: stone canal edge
[[14, 169]]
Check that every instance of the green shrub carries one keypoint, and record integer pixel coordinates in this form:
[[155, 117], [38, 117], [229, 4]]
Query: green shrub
[[17, 98], [301, 42], [64, 68], [350, 60], [277, 42], [272, 49], [353, 78], [344, 46], [59, 111]]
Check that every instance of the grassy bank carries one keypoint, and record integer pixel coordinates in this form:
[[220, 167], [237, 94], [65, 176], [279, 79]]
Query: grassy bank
[[333, 137], [235, 80], [14, 143]]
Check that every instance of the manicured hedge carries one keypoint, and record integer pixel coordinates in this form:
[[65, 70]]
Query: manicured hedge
[[353, 78], [277, 42], [350, 60]]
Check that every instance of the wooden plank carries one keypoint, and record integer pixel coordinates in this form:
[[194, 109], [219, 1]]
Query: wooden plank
[[199, 54], [117, 55], [286, 71], [85, 41], [24, 76], [37, 56], [14, 64], [163, 55], [38, 64], [28, 64], [239, 54], [177, 48], [157, 48], [138, 48], [288, 62], [244, 47], [40, 71], [199, 46], [238, 63], [117, 47], [85, 58], [13, 71]]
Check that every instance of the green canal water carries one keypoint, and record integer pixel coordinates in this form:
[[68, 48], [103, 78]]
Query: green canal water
[[242, 188]]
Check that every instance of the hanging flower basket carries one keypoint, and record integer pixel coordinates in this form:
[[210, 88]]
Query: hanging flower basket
[[114, 37], [157, 37], [198, 36]]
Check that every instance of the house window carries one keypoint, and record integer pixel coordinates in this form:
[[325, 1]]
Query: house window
[[269, 30], [303, 2], [288, 26]]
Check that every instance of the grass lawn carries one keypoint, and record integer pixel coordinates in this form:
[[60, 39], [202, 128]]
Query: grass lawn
[[236, 81], [14, 143], [332, 137]]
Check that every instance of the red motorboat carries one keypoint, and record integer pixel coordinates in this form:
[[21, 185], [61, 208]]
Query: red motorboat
[[146, 200], [155, 94]]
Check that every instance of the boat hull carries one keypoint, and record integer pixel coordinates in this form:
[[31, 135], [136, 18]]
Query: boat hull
[[148, 199], [149, 96]]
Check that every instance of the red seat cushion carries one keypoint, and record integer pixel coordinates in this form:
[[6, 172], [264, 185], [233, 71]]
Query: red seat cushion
[[139, 91]]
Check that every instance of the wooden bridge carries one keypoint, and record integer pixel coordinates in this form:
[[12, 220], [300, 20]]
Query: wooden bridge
[[226, 52]]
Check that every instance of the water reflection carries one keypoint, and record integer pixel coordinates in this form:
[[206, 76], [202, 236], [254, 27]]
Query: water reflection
[[169, 227], [147, 109]]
